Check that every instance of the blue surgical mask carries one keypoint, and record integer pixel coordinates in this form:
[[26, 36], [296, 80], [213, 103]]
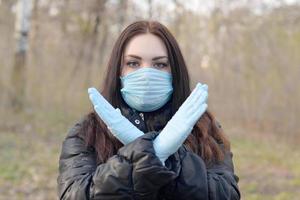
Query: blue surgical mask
[[146, 89]]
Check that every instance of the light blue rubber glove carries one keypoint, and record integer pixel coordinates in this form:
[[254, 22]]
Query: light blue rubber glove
[[181, 124], [119, 125]]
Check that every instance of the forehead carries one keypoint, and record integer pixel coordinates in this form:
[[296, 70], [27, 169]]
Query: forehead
[[146, 45]]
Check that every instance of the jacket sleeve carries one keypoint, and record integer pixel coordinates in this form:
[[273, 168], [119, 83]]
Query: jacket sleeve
[[81, 178], [197, 181], [222, 182], [148, 174]]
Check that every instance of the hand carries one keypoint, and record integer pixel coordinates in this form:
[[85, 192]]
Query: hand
[[119, 125], [148, 174], [182, 123]]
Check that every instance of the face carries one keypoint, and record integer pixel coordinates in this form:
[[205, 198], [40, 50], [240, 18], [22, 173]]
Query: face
[[145, 50]]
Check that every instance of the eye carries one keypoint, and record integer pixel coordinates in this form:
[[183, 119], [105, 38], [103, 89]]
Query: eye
[[161, 65], [132, 64]]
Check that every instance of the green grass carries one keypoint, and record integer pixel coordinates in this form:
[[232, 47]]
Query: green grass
[[267, 168], [30, 149], [28, 167]]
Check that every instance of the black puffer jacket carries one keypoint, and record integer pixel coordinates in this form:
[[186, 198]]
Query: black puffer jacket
[[136, 173]]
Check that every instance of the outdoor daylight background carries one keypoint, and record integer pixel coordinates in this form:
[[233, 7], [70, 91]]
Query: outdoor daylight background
[[246, 51]]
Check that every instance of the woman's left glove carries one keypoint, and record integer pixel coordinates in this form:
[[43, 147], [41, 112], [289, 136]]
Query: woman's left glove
[[181, 124], [148, 175]]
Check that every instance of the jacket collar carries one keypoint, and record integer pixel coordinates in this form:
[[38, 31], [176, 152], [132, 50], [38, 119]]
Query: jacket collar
[[139, 119]]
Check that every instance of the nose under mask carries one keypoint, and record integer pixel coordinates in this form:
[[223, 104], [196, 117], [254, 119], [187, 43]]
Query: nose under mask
[[146, 89]]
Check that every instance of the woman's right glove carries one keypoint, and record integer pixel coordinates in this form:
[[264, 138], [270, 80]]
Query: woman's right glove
[[119, 125]]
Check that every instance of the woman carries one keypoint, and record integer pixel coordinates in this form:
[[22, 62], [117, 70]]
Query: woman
[[135, 151]]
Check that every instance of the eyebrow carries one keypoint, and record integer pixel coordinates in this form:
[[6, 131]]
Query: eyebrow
[[139, 58]]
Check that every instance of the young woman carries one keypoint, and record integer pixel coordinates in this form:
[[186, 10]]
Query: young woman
[[149, 136]]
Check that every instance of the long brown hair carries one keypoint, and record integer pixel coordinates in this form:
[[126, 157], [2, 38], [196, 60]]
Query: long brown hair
[[205, 135]]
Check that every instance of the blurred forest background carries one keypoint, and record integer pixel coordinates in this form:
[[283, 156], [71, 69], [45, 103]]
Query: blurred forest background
[[247, 51]]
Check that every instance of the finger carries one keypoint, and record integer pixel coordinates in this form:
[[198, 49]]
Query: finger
[[201, 100], [197, 97], [199, 112], [190, 97], [117, 117], [95, 101], [197, 101], [101, 112], [204, 86], [98, 99], [101, 105], [95, 96], [196, 92], [118, 110]]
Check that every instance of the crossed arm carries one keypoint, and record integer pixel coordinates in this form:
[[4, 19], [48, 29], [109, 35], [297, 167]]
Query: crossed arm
[[174, 133]]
